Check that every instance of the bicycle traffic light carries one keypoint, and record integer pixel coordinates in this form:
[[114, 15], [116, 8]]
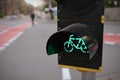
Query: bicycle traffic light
[[79, 39]]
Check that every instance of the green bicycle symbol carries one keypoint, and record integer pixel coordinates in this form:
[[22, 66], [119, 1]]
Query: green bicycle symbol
[[69, 45]]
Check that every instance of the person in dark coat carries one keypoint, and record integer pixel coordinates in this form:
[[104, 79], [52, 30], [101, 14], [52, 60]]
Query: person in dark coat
[[32, 18]]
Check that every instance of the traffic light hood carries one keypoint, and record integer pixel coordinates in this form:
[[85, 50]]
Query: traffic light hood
[[56, 42], [81, 7]]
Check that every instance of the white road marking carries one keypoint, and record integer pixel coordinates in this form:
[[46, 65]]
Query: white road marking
[[15, 37], [110, 34], [66, 74], [118, 34], [111, 42], [10, 41], [3, 31], [1, 48]]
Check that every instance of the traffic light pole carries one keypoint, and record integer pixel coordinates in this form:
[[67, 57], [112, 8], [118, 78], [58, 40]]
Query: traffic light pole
[[50, 4], [88, 76]]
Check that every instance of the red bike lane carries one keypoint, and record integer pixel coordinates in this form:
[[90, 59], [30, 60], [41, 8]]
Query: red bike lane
[[10, 32], [111, 38]]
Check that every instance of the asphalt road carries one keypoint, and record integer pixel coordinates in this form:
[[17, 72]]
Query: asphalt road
[[26, 59]]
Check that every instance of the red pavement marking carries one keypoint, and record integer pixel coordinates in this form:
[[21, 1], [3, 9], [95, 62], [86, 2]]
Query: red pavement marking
[[114, 38], [12, 32], [4, 27]]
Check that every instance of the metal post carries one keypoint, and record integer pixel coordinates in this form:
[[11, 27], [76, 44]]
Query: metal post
[[50, 4], [88, 76], [50, 9]]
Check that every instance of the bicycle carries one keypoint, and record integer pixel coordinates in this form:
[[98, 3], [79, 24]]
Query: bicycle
[[80, 45]]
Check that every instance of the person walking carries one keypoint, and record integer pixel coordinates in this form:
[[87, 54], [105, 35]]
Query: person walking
[[51, 14], [32, 18]]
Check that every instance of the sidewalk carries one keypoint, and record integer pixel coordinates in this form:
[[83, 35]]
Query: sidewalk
[[13, 22]]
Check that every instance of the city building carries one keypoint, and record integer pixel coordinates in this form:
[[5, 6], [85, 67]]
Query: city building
[[11, 7], [2, 6], [5, 7]]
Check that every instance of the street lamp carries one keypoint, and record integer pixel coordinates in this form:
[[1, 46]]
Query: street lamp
[[50, 4], [50, 9]]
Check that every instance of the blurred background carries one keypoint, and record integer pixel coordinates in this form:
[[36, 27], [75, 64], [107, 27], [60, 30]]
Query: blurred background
[[19, 8], [23, 45]]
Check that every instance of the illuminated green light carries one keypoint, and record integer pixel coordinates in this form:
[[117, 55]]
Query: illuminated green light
[[51, 50], [69, 45]]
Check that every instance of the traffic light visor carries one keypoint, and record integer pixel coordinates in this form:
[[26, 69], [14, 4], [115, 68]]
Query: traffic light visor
[[56, 41], [75, 38]]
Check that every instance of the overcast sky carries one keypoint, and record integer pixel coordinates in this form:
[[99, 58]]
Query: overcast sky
[[35, 2]]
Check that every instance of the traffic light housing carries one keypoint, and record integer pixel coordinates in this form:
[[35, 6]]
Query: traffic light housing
[[79, 39]]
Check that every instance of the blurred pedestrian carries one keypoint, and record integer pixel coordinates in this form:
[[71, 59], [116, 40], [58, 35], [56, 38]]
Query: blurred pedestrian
[[32, 18], [51, 14]]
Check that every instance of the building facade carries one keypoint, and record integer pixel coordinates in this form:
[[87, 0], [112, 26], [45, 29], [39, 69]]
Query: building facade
[[11, 7], [2, 6], [6, 7]]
